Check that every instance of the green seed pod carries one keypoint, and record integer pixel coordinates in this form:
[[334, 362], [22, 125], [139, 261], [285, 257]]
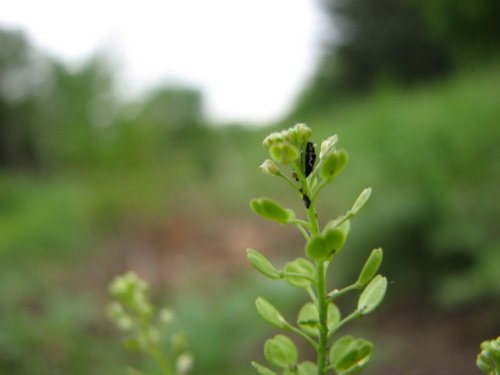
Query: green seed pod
[[349, 355], [360, 201], [372, 295], [262, 264], [269, 313], [270, 210], [333, 164], [262, 370], [281, 351], [371, 267], [317, 248], [307, 368], [284, 152], [308, 318], [335, 237], [299, 266]]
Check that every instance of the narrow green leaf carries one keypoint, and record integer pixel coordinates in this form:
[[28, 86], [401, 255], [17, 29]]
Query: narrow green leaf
[[371, 267], [262, 370], [317, 248], [300, 266], [262, 264], [361, 200], [372, 295], [269, 313], [281, 351], [270, 210]]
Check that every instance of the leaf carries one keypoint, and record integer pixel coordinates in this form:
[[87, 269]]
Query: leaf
[[317, 248], [361, 201], [262, 370], [371, 267], [270, 210], [308, 318], [300, 266], [262, 264], [372, 295], [350, 355], [269, 313], [281, 351]]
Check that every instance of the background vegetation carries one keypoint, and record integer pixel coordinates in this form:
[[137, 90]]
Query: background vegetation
[[92, 185]]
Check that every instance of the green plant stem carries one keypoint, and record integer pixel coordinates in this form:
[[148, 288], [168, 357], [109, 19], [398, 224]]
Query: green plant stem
[[337, 293], [347, 319], [322, 310], [303, 231], [312, 295], [322, 302], [290, 181], [162, 362], [303, 335]]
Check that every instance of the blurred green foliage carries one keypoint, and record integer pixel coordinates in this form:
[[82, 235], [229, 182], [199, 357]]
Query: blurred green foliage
[[79, 166]]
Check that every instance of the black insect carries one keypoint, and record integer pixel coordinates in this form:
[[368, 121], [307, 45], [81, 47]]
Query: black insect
[[309, 158], [307, 201]]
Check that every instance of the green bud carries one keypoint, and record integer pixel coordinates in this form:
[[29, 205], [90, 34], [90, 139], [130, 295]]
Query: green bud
[[333, 163], [262, 264], [281, 351], [269, 313], [272, 139], [300, 266], [270, 210], [371, 267], [349, 355], [327, 145], [298, 135], [372, 295], [184, 364], [270, 168], [284, 152], [166, 316]]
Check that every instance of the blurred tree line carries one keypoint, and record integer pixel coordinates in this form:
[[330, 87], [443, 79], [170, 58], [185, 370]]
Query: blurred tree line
[[54, 118], [403, 42]]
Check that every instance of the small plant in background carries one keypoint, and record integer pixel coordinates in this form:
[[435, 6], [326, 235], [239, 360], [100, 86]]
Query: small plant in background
[[147, 329], [488, 360], [320, 319]]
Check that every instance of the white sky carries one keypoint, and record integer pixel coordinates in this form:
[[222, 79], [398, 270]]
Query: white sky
[[249, 57]]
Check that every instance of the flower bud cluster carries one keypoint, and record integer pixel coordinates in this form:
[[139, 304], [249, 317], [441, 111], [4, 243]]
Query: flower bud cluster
[[132, 312], [284, 147], [131, 291]]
